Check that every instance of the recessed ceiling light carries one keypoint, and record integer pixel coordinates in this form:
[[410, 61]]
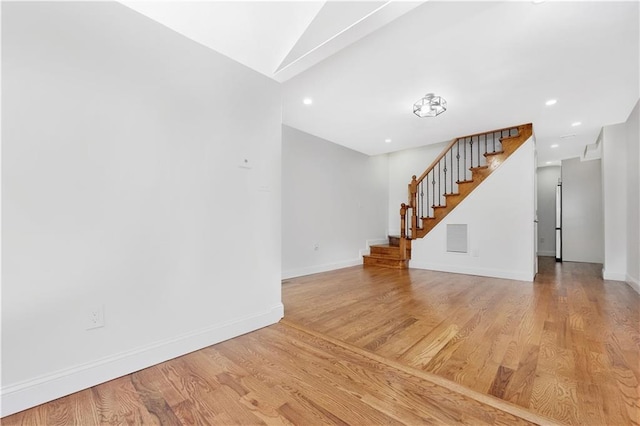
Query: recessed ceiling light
[[577, 123], [537, 1], [307, 101], [551, 102], [555, 145], [387, 140], [548, 162]]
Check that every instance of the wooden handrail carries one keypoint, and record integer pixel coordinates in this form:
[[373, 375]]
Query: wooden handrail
[[444, 151], [495, 131]]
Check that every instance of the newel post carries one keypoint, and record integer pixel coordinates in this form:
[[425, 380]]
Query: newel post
[[403, 220], [413, 201]]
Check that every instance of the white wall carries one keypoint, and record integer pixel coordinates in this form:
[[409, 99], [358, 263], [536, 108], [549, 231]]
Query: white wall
[[500, 218], [331, 196], [621, 200], [547, 183], [582, 222], [614, 202], [403, 165], [121, 187], [633, 198]]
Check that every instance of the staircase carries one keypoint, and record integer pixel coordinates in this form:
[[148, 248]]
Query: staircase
[[461, 167], [395, 255]]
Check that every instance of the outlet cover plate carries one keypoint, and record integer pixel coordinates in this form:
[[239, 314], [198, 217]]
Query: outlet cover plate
[[94, 317]]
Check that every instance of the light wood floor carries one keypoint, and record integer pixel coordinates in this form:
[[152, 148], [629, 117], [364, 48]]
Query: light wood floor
[[566, 346], [379, 346], [276, 375]]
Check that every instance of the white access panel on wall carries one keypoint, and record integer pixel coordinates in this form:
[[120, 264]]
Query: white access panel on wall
[[457, 241]]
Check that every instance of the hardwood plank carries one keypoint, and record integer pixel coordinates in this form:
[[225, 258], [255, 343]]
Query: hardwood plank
[[521, 384], [501, 381], [154, 401], [557, 397], [118, 403]]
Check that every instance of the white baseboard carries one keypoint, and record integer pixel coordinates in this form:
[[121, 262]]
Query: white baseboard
[[614, 276], [483, 272], [316, 269], [634, 283], [27, 394], [621, 276]]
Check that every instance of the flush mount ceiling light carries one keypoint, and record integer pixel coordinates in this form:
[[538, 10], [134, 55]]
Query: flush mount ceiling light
[[551, 102], [430, 106], [576, 124], [387, 140], [307, 101]]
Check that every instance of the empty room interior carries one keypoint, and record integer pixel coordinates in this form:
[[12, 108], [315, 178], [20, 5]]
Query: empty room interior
[[320, 212]]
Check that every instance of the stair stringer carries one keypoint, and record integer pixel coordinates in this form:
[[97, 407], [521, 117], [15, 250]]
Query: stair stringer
[[500, 216]]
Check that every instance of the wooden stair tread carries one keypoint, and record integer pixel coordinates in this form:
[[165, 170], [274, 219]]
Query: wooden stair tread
[[395, 254], [385, 251], [385, 262], [488, 154]]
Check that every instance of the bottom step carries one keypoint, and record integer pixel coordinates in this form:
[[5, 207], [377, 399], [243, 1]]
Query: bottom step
[[385, 262]]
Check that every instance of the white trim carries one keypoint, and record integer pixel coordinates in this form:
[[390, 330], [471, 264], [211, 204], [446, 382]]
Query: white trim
[[369, 243], [613, 276], [483, 272], [633, 283], [299, 272], [546, 253], [36, 391], [316, 269]]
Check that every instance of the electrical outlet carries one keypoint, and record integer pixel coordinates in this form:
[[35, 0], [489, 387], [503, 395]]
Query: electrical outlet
[[542, 239], [95, 317], [316, 246], [245, 163]]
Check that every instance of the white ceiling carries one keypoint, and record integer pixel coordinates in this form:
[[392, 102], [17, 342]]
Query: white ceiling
[[364, 64], [276, 38]]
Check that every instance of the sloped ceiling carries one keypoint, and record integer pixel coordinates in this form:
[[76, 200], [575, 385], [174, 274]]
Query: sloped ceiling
[[276, 38], [365, 63]]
